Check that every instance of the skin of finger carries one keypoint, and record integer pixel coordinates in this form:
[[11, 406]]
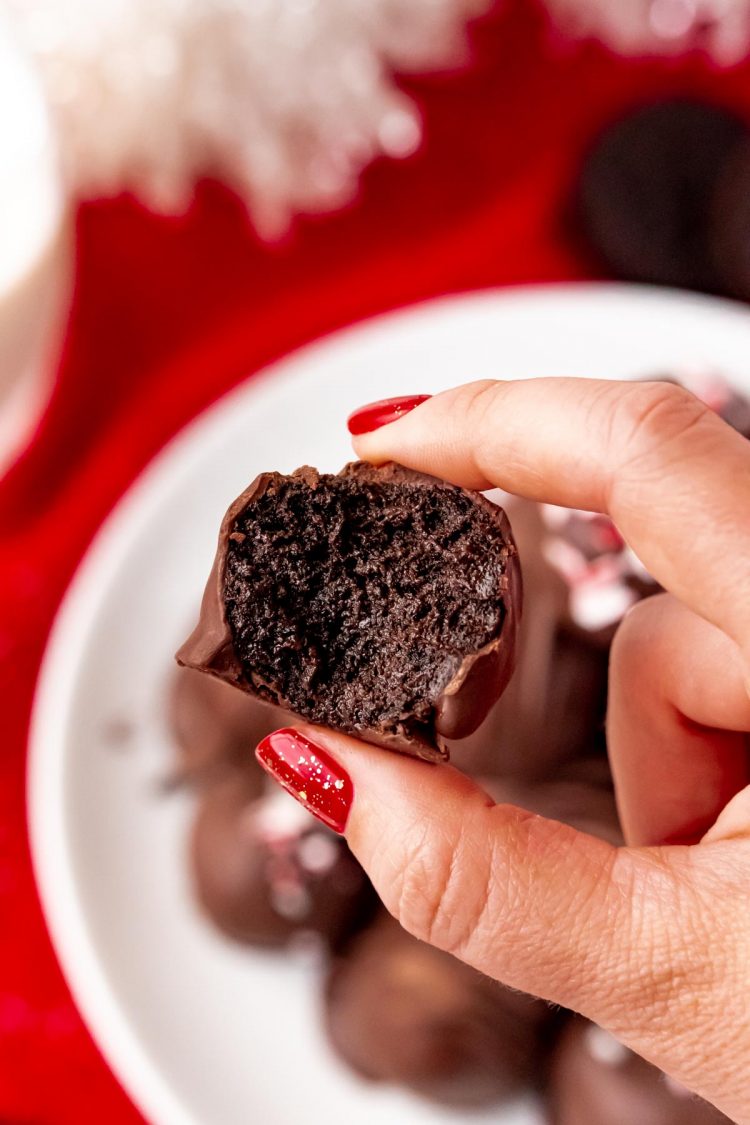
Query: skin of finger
[[674, 681], [673, 476], [634, 939], [704, 1030], [476, 879]]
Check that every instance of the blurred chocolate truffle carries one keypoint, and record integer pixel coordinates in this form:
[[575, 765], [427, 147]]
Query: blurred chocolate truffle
[[400, 1011], [216, 729], [553, 708], [648, 192], [379, 601], [580, 794], [265, 871], [594, 1080]]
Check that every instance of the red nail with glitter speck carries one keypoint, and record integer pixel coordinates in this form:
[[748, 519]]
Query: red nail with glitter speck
[[309, 774], [377, 414]]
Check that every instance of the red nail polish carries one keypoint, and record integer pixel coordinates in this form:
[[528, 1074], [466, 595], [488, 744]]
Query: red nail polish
[[377, 414], [309, 774]]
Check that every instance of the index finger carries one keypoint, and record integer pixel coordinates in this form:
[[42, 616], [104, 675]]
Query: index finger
[[671, 474]]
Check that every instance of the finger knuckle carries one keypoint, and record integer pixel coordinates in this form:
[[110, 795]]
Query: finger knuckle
[[483, 403], [634, 638], [441, 889], [672, 970], [560, 925], [649, 418]]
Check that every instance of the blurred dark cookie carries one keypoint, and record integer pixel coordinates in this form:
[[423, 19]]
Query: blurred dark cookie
[[730, 224], [646, 194]]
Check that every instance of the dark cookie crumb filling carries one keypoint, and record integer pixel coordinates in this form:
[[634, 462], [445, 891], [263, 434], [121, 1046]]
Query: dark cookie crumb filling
[[358, 600]]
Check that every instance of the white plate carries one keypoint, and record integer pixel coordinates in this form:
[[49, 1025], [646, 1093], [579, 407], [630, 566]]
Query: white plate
[[197, 1030]]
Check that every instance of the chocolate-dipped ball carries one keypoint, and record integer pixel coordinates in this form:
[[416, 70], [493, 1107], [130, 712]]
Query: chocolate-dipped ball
[[400, 1011], [215, 729], [380, 601], [594, 1080], [553, 708], [647, 191], [265, 871]]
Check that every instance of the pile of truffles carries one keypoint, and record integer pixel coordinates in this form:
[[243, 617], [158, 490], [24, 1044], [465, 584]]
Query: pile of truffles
[[266, 874]]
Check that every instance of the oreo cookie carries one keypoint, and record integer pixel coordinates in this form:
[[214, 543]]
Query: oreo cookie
[[647, 194]]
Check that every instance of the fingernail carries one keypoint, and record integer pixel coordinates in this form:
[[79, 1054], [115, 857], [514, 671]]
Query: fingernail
[[376, 414], [309, 774]]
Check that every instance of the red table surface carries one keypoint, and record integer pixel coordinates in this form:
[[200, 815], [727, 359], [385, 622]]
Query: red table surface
[[169, 314]]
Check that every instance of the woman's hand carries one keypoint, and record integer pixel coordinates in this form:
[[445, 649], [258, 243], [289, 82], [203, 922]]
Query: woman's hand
[[652, 941]]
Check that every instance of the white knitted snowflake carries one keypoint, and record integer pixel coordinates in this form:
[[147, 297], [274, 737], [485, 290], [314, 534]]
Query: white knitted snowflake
[[721, 27], [287, 100]]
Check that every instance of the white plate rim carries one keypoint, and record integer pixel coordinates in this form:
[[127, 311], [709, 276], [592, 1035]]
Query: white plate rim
[[62, 909]]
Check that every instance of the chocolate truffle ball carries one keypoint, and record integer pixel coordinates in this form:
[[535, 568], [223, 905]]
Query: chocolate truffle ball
[[647, 190], [379, 601], [400, 1011], [594, 1080], [264, 871], [215, 729]]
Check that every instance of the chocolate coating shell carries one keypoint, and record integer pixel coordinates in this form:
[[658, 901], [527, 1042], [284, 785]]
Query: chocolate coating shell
[[465, 700]]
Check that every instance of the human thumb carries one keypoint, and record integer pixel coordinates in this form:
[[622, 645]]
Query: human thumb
[[529, 901]]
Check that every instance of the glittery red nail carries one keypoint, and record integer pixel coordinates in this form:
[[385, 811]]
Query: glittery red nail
[[377, 414], [309, 774]]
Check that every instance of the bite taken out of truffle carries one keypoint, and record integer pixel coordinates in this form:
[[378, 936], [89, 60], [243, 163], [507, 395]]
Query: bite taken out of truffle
[[400, 1011], [265, 872], [379, 601]]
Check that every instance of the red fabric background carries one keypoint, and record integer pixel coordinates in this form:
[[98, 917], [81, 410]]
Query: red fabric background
[[169, 314]]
